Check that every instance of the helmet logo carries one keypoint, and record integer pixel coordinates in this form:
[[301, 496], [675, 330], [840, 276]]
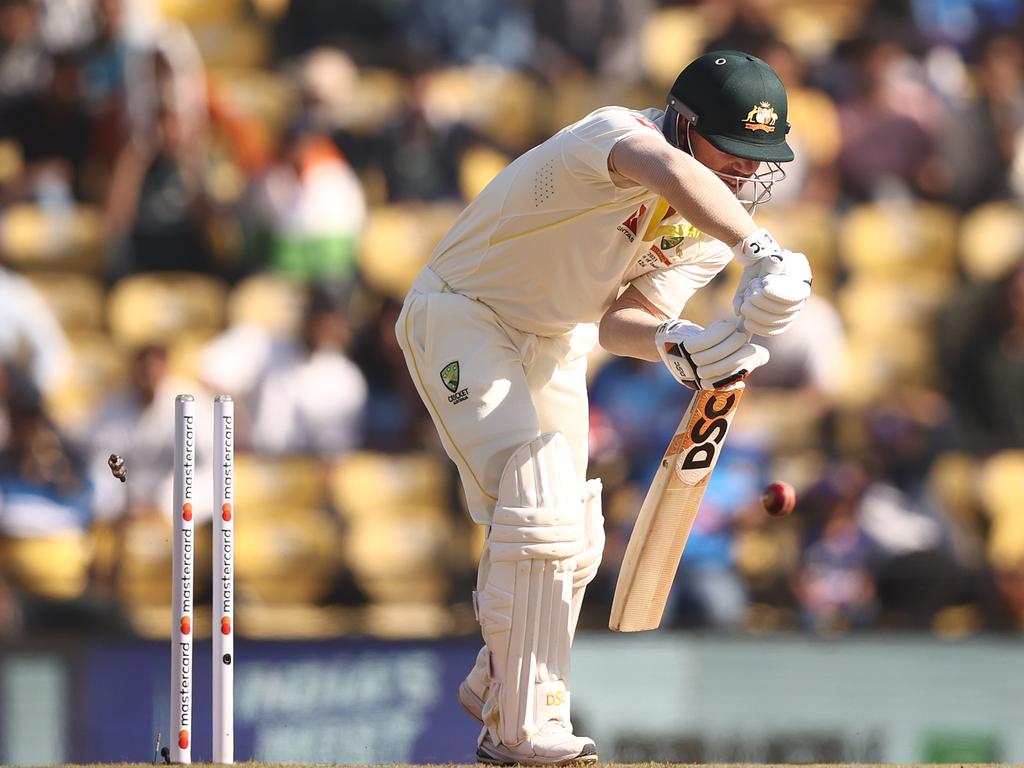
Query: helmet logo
[[761, 118]]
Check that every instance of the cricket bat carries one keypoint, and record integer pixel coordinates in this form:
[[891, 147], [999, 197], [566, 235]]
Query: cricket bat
[[667, 515]]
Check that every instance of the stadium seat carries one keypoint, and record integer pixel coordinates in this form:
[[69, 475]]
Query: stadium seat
[[813, 27], [156, 307], [508, 115], [271, 302], [367, 482], [144, 562], [52, 567], [953, 478], [98, 368], [899, 240], [397, 524], [381, 94], [809, 229], [232, 44], [670, 39], [1002, 488], [143, 574], [991, 240], [815, 121], [70, 240], [200, 12], [267, 97], [76, 299], [876, 306], [477, 166], [286, 553], [397, 242], [264, 482]]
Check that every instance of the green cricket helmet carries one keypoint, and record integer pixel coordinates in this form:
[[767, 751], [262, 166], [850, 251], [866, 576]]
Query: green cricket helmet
[[738, 104]]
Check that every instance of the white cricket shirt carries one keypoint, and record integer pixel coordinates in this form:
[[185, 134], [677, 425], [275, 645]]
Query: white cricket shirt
[[551, 241]]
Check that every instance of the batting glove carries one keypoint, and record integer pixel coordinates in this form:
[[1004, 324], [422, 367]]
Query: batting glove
[[707, 358]]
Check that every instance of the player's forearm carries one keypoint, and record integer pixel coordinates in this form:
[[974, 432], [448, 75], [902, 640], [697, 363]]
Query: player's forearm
[[629, 332], [692, 189]]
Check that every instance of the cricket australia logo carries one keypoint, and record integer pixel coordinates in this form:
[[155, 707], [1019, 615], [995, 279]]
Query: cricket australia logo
[[629, 226], [761, 118], [450, 379]]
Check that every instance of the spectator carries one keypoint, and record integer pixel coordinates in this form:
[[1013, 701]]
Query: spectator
[[708, 592], [834, 585], [25, 65], [309, 210], [460, 32], [45, 513], [138, 424], [396, 419], [313, 402], [980, 142], [53, 132], [981, 348], [419, 153], [31, 339], [157, 209], [889, 125]]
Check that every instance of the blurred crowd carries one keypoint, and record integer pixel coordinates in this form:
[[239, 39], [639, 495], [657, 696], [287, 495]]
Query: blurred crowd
[[233, 197]]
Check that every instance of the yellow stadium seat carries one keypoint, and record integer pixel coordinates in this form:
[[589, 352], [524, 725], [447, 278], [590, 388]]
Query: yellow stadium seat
[[398, 241], [815, 26], [378, 482], [398, 525], [899, 240], [477, 166], [953, 478], [809, 229], [269, 301], [144, 568], [286, 554], [670, 39], [815, 121], [1002, 488], [98, 368], [73, 240], [380, 95], [240, 45], [875, 307], [156, 307], [873, 369], [143, 574], [407, 620], [264, 482], [266, 96], [52, 567], [77, 300], [200, 12], [992, 240], [508, 114]]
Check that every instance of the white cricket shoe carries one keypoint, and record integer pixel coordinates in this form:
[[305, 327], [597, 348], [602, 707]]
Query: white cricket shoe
[[473, 690], [553, 744]]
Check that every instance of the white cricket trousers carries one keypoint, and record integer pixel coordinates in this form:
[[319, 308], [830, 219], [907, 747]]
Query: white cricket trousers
[[510, 386]]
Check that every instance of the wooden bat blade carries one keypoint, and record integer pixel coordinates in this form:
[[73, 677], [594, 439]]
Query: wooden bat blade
[[669, 509]]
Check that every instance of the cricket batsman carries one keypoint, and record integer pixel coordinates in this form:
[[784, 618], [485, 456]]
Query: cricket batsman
[[601, 233]]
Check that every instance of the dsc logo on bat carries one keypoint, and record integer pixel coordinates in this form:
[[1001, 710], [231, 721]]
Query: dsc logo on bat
[[705, 434]]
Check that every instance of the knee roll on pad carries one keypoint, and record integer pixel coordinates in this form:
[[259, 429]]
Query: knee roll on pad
[[525, 605]]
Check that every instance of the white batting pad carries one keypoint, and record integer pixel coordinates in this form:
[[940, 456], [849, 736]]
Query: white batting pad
[[525, 605], [588, 561]]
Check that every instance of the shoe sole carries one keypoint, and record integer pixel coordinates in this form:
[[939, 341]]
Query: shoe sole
[[470, 702], [587, 757]]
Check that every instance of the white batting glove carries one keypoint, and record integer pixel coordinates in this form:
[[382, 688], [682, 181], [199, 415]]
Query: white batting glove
[[707, 358], [774, 285]]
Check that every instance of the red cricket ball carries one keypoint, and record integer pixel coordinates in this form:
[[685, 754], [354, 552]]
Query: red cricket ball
[[779, 499]]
